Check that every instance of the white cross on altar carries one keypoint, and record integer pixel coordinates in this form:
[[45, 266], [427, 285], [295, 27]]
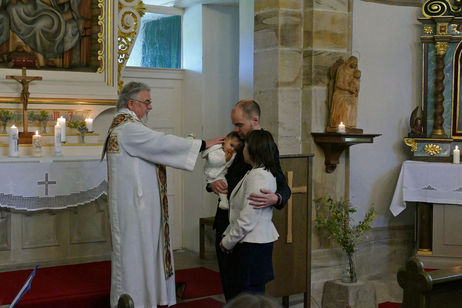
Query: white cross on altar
[[46, 183]]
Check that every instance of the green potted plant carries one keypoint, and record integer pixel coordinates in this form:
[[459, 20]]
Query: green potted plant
[[5, 116], [341, 228]]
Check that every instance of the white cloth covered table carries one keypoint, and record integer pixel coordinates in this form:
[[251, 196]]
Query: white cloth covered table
[[427, 182], [33, 184]]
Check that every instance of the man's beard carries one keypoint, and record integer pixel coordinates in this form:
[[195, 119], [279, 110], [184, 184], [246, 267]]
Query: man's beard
[[145, 118]]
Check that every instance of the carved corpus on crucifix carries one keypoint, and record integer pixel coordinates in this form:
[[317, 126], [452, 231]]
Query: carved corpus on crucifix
[[24, 80]]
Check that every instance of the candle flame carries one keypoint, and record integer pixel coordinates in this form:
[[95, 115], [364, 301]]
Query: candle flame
[[457, 147], [341, 123], [36, 133], [12, 126]]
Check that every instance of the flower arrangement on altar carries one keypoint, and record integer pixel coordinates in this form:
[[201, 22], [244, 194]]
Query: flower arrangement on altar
[[80, 126], [342, 229], [5, 116], [42, 117]]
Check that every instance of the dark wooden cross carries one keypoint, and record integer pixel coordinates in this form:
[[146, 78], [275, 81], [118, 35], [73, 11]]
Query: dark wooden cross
[[46, 183], [24, 81], [295, 190]]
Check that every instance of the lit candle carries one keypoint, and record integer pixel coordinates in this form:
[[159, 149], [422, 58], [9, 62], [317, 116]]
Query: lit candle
[[89, 124], [456, 155], [341, 128], [36, 145], [13, 141], [62, 123], [58, 150]]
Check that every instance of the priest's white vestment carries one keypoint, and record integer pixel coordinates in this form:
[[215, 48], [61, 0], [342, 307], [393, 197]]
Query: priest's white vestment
[[135, 210]]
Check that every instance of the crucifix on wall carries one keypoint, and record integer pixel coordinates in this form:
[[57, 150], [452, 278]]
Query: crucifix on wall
[[24, 80]]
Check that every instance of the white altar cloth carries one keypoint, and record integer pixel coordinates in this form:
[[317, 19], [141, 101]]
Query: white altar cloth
[[427, 182], [33, 184]]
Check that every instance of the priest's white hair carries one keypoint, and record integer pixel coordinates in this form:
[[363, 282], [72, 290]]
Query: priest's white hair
[[130, 91]]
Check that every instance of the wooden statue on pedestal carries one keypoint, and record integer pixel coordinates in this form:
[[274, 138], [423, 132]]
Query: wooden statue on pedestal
[[343, 95]]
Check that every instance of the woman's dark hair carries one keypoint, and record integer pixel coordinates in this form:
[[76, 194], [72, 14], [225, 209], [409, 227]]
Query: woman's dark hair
[[261, 149]]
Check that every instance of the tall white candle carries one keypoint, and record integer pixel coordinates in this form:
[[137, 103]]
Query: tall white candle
[[456, 155], [13, 141], [36, 145], [62, 123], [58, 149], [341, 128], [89, 124]]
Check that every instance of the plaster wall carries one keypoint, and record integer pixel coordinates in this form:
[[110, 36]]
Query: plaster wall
[[211, 87], [246, 47], [386, 40]]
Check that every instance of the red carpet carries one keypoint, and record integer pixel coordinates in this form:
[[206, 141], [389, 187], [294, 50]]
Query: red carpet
[[88, 285], [200, 282], [80, 285], [201, 303], [389, 305]]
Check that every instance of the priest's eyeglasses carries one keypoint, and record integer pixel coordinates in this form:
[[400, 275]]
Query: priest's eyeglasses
[[147, 102]]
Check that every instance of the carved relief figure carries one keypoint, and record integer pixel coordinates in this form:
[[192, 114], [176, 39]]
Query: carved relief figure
[[49, 28], [415, 122], [344, 89]]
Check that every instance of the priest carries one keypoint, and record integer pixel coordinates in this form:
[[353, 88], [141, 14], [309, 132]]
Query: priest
[[142, 260]]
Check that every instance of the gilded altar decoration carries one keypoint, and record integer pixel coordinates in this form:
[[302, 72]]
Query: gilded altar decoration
[[432, 149], [130, 14], [442, 28], [441, 48], [411, 142], [428, 30]]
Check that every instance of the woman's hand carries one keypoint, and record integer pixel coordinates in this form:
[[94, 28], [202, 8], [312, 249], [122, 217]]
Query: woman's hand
[[224, 250]]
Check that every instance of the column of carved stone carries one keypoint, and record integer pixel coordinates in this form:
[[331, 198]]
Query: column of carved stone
[[438, 132], [278, 67]]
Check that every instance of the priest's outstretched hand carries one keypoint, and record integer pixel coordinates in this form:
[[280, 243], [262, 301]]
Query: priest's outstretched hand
[[213, 141]]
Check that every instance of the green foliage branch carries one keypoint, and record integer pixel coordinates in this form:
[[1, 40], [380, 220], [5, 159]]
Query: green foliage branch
[[5, 116], [339, 224], [80, 126], [40, 116]]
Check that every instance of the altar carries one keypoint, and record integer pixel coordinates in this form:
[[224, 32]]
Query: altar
[[53, 210], [436, 189]]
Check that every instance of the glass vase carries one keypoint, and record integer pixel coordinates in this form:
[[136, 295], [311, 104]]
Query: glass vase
[[43, 125], [4, 128], [349, 273], [82, 137]]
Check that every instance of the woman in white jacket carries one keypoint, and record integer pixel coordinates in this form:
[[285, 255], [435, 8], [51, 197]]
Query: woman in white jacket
[[251, 233]]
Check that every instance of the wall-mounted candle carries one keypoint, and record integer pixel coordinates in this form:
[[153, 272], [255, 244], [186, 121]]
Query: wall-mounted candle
[[13, 141], [58, 149], [89, 124], [36, 145], [456, 155], [341, 128], [62, 123]]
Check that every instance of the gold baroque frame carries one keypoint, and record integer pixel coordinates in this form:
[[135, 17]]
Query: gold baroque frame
[[130, 14], [69, 86]]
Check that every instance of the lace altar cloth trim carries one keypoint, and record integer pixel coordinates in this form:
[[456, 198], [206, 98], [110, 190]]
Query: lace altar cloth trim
[[35, 185], [57, 202], [427, 182]]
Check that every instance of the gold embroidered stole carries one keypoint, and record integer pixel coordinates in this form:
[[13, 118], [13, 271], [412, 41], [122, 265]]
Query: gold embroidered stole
[[162, 180]]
